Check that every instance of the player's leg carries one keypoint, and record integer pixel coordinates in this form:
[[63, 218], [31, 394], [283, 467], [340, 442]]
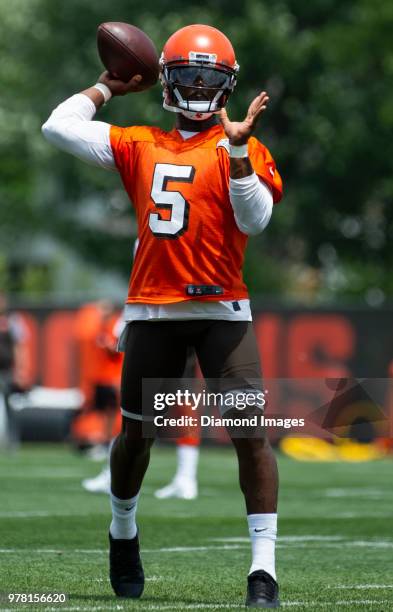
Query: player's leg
[[228, 353], [151, 351]]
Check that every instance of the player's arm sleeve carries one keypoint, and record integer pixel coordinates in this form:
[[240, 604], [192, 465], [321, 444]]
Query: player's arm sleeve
[[252, 203], [71, 129], [252, 197]]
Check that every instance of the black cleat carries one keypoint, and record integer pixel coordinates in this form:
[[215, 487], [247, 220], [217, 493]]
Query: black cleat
[[125, 567], [262, 591]]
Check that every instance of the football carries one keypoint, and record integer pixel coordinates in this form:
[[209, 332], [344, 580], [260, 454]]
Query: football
[[126, 51]]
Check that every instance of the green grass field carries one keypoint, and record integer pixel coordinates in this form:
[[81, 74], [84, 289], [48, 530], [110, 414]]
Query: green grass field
[[335, 547]]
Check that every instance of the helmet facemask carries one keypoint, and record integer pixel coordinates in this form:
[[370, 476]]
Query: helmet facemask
[[196, 88]]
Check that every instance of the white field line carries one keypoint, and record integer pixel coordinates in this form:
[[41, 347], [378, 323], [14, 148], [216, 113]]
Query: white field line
[[62, 607], [96, 551], [362, 602], [376, 544], [340, 546], [54, 551], [192, 548], [367, 515], [233, 544], [362, 586], [302, 538], [205, 606], [374, 493], [54, 473], [345, 602], [307, 540], [40, 514], [196, 606], [27, 514], [215, 606]]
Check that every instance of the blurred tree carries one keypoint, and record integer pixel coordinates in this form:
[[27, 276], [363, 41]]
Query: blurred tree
[[327, 66]]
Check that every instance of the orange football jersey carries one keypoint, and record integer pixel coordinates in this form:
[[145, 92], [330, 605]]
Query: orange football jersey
[[186, 227]]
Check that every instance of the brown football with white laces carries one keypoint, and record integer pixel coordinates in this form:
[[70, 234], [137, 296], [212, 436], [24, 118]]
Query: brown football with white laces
[[125, 51]]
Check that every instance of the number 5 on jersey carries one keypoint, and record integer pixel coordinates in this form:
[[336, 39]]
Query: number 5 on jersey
[[170, 200]]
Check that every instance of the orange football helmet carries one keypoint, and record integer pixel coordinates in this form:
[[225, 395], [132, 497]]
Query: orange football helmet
[[198, 70]]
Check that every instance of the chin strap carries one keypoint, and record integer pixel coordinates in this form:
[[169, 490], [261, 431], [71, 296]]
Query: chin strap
[[172, 109], [194, 116]]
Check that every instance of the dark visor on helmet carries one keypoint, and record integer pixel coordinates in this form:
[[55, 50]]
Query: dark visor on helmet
[[197, 76]]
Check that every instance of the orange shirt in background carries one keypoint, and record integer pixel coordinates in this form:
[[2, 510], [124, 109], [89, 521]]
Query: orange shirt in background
[[108, 362]]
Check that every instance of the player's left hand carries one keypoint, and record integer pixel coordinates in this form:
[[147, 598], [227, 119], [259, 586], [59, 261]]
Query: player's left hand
[[239, 132]]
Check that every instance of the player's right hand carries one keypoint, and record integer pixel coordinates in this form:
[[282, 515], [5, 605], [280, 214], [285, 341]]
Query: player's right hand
[[239, 132], [120, 88]]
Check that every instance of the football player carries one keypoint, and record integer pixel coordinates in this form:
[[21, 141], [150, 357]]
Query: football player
[[198, 191]]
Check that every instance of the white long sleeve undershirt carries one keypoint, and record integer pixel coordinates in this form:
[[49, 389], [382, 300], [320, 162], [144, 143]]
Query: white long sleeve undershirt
[[252, 203], [71, 129]]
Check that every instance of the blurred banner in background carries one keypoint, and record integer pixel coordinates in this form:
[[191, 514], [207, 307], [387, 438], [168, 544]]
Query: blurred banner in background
[[294, 343], [299, 345]]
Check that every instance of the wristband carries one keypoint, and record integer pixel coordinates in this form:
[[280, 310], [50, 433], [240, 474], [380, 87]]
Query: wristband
[[104, 89], [238, 152]]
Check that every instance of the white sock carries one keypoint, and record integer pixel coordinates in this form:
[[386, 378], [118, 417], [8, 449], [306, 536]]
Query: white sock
[[123, 526], [263, 533], [187, 462]]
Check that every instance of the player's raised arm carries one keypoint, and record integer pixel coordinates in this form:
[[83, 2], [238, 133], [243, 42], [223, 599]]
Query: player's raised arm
[[239, 132], [251, 197], [71, 128]]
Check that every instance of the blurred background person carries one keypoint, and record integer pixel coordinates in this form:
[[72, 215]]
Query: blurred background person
[[12, 336], [96, 327], [184, 484], [107, 367], [107, 364]]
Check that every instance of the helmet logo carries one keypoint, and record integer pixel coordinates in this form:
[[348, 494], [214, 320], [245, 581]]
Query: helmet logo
[[197, 56]]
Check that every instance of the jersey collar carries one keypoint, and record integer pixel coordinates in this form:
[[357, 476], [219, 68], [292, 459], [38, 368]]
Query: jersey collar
[[198, 138]]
